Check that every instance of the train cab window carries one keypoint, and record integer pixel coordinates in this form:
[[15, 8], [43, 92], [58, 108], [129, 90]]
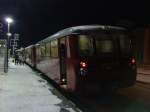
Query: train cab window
[[85, 45], [125, 45], [54, 48], [104, 46]]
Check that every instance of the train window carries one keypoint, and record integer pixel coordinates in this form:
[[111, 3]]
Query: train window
[[43, 49], [85, 45], [54, 48], [103, 43], [39, 51], [29, 53], [62, 40], [125, 44], [104, 46], [48, 49]]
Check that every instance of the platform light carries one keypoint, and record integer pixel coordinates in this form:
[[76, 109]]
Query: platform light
[[9, 20], [9, 34]]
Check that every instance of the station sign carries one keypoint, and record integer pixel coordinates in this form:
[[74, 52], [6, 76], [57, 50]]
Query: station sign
[[16, 36]]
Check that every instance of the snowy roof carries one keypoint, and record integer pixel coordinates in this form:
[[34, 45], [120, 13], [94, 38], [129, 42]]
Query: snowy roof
[[29, 46], [79, 29], [19, 50]]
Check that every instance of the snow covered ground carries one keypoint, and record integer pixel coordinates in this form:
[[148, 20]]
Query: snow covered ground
[[23, 90], [1, 64]]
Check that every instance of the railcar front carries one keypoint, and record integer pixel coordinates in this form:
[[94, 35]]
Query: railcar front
[[105, 60]]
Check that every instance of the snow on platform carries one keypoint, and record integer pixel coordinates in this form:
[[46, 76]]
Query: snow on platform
[[1, 64], [21, 90]]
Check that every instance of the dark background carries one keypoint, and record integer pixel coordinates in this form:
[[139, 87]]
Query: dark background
[[37, 19]]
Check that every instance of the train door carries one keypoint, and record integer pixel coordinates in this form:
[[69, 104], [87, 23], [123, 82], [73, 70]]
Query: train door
[[62, 56]]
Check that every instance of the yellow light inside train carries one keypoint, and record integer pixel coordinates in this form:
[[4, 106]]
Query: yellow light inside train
[[63, 80]]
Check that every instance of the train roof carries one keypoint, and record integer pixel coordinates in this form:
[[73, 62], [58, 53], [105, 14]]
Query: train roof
[[20, 49], [29, 46], [79, 29]]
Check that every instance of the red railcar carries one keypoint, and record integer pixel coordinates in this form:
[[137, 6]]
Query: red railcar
[[30, 55], [87, 57]]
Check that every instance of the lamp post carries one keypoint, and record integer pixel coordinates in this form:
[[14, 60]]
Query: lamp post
[[9, 21]]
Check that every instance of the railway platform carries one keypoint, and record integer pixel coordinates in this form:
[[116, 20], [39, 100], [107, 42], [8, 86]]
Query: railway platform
[[143, 74], [1, 64], [23, 90]]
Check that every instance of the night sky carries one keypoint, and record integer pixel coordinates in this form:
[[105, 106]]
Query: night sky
[[37, 19]]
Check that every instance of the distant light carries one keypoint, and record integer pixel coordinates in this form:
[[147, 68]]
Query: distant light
[[9, 34], [9, 20]]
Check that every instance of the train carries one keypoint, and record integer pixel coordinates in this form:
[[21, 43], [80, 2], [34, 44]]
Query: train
[[85, 58]]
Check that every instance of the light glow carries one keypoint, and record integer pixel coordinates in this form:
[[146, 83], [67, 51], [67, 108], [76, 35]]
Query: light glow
[[83, 64], [63, 80], [9, 20], [9, 34], [133, 61]]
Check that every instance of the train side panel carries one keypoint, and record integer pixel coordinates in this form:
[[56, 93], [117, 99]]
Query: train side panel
[[50, 67], [72, 65], [47, 64], [89, 58]]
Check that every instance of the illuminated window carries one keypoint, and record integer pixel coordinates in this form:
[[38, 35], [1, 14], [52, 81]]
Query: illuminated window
[[104, 46], [48, 49], [125, 44], [43, 50], [85, 45], [54, 48]]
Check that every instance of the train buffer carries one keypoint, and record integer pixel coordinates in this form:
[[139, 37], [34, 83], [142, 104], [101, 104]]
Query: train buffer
[[23, 90]]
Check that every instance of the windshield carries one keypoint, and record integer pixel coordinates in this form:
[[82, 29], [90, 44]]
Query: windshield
[[125, 44], [103, 44], [86, 45]]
